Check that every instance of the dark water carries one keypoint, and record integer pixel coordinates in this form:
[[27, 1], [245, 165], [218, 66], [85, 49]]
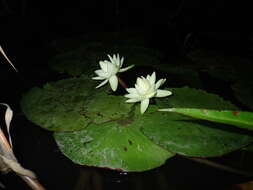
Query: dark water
[[36, 149]]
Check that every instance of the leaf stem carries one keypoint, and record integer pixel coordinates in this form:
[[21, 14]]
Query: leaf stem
[[221, 166], [122, 83]]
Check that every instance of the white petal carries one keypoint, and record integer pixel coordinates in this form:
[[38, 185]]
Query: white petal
[[113, 82], [151, 94], [132, 96], [160, 83], [111, 59], [102, 83], [139, 89], [112, 69], [121, 61], [103, 65], [138, 81], [131, 90], [144, 105], [126, 68], [142, 83], [132, 100], [98, 78], [118, 61], [101, 73], [163, 93], [152, 78]]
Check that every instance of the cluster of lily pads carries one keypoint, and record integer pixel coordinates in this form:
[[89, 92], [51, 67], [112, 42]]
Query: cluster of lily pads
[[98, 128]]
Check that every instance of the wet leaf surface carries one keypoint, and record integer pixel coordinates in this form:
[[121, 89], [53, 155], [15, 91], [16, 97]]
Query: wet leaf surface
[[114, 145]]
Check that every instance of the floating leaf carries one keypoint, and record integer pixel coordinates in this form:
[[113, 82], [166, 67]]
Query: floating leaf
[[114, 145], [240, 119], [72, 104], [59, 105], [105, 123], [188, 136]]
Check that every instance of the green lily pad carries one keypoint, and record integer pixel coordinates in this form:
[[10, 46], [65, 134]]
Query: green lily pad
[[241, 119], [114, 145], [103, 107], [113, 134], [58, 105], [72, 104], [188, 136]]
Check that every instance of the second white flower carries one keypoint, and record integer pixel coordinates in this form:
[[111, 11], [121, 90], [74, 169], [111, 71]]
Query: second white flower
[[108, 71], [146, 88]]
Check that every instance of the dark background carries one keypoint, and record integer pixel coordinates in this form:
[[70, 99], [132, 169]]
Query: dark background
[[27, 28]]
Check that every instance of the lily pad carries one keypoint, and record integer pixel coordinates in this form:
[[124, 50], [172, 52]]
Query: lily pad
[[113, 134], [114, 145], [188, 136], [241, 119], [71, 104], [58, 105], [103, 107]]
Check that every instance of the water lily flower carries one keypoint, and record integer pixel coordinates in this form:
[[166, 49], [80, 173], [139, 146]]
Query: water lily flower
[[109, 69], [146, 88]]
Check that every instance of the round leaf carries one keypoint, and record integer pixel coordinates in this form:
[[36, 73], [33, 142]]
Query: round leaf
[[58, 105], [72, 104], [188, 136], [114, 145]]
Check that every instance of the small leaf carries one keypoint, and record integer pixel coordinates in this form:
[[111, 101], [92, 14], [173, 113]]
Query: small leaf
[[240, 119]]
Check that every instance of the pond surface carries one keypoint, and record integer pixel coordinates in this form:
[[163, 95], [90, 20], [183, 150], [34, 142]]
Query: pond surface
[[36, 149]]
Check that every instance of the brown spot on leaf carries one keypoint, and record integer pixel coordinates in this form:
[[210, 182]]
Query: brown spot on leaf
[[235, 113], [125, 149], [124, 121], [130, 142]]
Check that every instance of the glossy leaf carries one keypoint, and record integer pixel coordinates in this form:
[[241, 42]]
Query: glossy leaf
[[240, 119], [58, 106], [114, 145], [105, 124], [188, 136], [72, 104]]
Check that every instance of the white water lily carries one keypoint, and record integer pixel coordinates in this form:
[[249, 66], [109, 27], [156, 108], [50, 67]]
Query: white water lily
[[109, 69], [146, 88]]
